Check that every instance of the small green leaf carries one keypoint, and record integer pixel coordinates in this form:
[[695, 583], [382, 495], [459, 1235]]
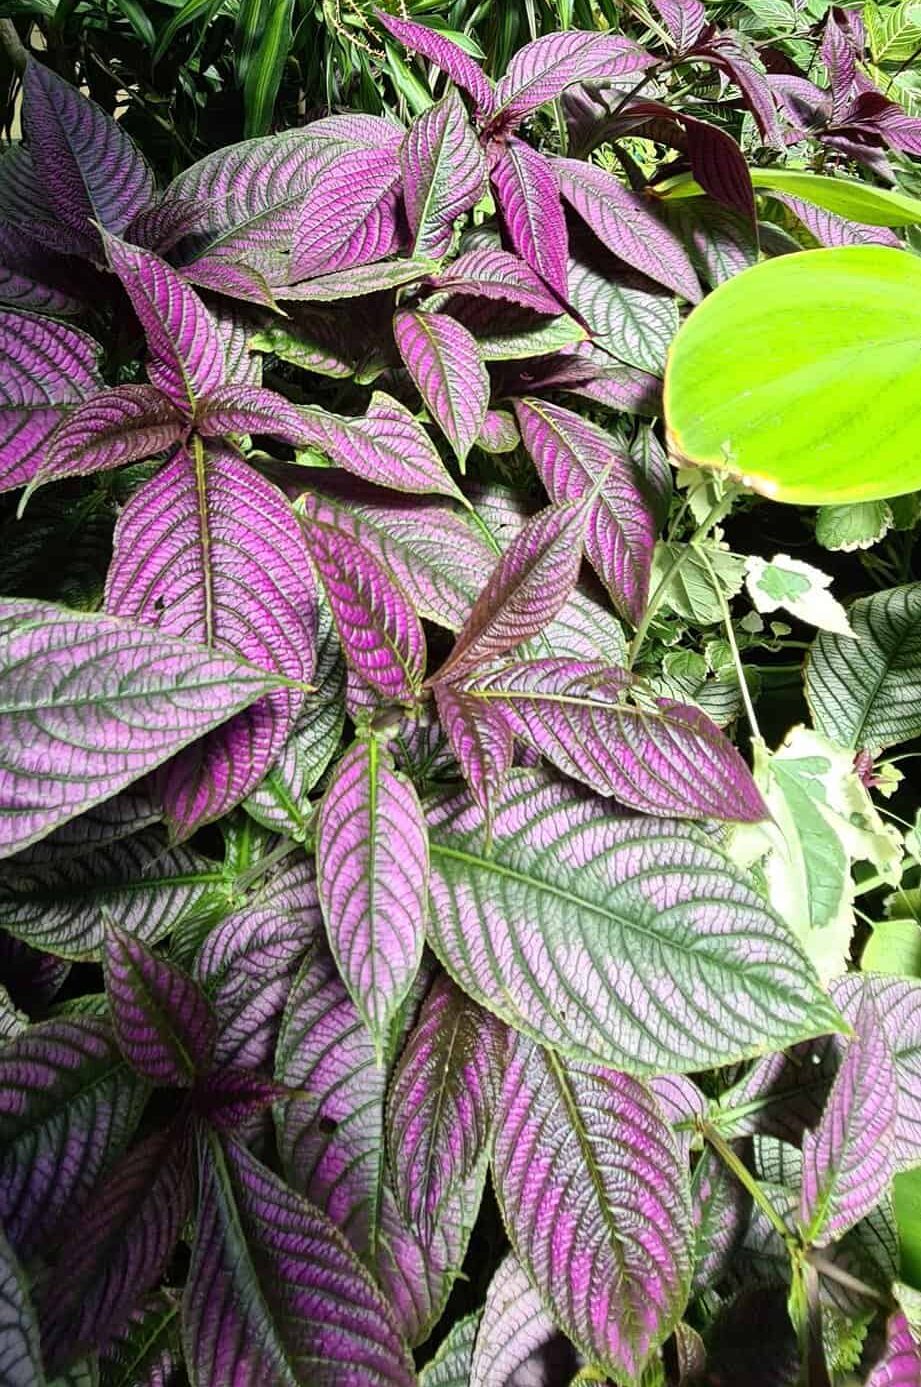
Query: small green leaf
[[894, 947], [845, 528]]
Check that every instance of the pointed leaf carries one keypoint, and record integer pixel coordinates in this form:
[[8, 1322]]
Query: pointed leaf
[[481, 741], [496, 274], [529, 200], [571, 455], [350, 216], [47, 369], [557, 931], [358, 281], [274, 1292], [147, 1353], [623, 222], [443, 359], [628, 316], [897, 1002], [448, 56], [541, 71], [444, 174], [498, 434], [186, 355], [34, 278], [517, 1341], [658, 757], [128, 423], [242, 408], [68, 1105], [232, 278], [20, 1351], [900, 1365], [98, 702], [88, 165], [164, 1024], [452, 1363], [441, 1101], [611, 1254], [684, 18], [380, 633], [372, 871]]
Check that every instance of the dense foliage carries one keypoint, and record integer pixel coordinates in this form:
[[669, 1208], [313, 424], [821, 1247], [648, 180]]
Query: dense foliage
[[460, 907]]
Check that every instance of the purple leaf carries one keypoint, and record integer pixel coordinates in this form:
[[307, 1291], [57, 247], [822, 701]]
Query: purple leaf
[[186, 354], [441, 1101], [685, 20], [624, 223], [88, 165], [832, 230], [118, 1249], [241, 408], [481, 741], [728, 53], [124, 424], [444, 361], [541, 71], [236, 1100], [499, 433], [900, 1365], [590, 375], [380, 633], [720, 243], [28, 975], [47, 369], [102, 702], [496, 274], [527, 589], [448, 56], [20, 1351], [783, 1094], [274, 1292], [517, 1343], [582, 928], [532, 212], [897, 1002], [68, 1105], [34, 278], [230, 277], [842, 44], [610, 1256], [444, 174], [719, 166], [147, 1352], [166, 221], [359, 130], [656, 756], [571, 456], [721, 1210], [358, 281], [163, 1022], [372, 873], [350, 216], [213, 553]]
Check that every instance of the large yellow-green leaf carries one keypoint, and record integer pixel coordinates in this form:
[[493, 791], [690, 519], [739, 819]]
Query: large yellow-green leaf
[[802, 377], [848, 197]]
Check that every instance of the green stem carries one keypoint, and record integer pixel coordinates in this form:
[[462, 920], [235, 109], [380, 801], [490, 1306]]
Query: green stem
[[733, 646], [747, 1180]]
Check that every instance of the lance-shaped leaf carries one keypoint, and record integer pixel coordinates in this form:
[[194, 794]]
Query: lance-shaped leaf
[[684, 18], [381, 635], [571, 455], [529, 200], [526, 590], [628, 316], [118, 1248], [89, 167], [127, 423], [444, 361], [34, 278], [444, 174], [541, 71], [360, 280], [350, 216], [441, 1101], [658, 757], [517, 1341], [583, 930], [243, 408], [609, 1254], [20, 1351], [163, 1022], [91, 703], [387, 446], [722, 1210], [897, 1002], [623, 222], [900, 1364], [481, 740], [47, 369], [429, 43], [274, 1292], [147, 1352], [496, 274], [452, 1363], [68, 1105], [186, 354], [372, 873], [210, 551], [231, 278]]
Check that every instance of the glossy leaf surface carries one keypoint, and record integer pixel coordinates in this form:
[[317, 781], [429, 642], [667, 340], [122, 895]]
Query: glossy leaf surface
[[445, 363]]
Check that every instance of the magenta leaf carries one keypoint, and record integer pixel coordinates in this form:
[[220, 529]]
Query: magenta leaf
[[558, 929], [527, 589], [441, 1101], [481, 740], [230, 277], [68, 1106], [103, 701], [381, 635], [517, 1341], [623, 222], [147, 1352], [243, 408], [163, 1022], [372, 873], [571, 456], [900, 1365], [541, 71], [444, 361], [89, 167], [20, 1350], [444, 174], [685, 20], [350, 216], [726, 52], [897, 1002], [499, 433], [358, 281], [628, 1227], [186, 357], [47, 370], [532, 212], [274, 1292], [34, 278], [496, 274], [656, 756], [209, 551], [832, 230], [124, 424], [359, 130], [448, 56]]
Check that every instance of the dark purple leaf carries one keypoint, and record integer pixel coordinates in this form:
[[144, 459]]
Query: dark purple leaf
[[685, 20], [235, 1100], [34, 278], [783, 1094], [444, 361], [517, 1343], [496, 274], [163, 1022], [166, 221], [481, 740], [542, 70], [429, 44], [358, 281], [148, 1351], [721, 1210], [102, 701], [232, 278], [20, 1351], [529, 200], [127, 423], [738, 61], [274, 1292], [444, 174], [719, 166], [842, 45], [24, 205], [900, 1365], [350, 216], [88, 165], [589, 373]]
